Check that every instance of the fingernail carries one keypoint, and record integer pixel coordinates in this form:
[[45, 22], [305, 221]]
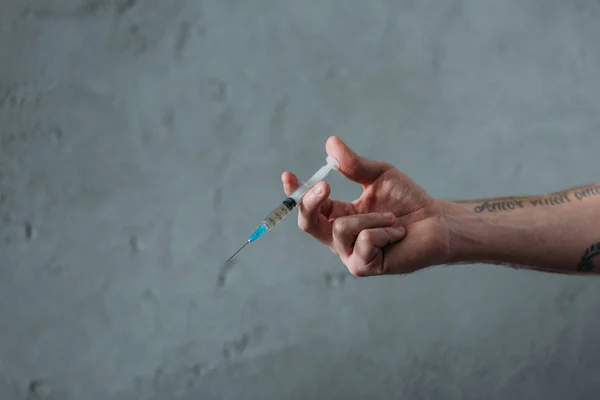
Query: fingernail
[[317, 191], [390, 215]]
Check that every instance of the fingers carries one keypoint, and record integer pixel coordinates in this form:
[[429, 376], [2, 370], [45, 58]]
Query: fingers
[[290, 182], [347, 229], [354, 167], [367, 256], [310, 218], [313, 200]]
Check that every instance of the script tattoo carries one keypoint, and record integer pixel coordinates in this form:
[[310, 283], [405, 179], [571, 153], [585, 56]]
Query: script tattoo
[[553, 199], [590, 259], [503, 205], [583, 193]]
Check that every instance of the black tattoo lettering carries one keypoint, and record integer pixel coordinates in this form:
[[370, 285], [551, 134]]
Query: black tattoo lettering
[[553, 199], [590, 259], [494, 206], [584, 193]]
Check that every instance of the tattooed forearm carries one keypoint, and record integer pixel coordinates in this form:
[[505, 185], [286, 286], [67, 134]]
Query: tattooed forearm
[[508, 205], [557, 232], [590, 259], [550, 200]]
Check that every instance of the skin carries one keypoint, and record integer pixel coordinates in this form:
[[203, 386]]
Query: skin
[[396, 227]]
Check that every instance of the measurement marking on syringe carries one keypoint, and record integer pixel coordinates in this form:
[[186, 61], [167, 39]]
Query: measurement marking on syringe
[[284, 209]]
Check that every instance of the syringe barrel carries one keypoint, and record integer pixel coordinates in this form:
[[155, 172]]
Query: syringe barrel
[[280, 212], [318, 176], [286, 206]]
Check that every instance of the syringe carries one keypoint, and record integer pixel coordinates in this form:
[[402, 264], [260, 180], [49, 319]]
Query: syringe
[[287, 205]]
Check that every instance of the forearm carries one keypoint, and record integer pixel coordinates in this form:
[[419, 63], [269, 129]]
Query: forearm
[[556, 232]]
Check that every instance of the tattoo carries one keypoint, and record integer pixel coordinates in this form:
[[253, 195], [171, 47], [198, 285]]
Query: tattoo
[[588, 262], [550, 200], [586, 192], [504, 205]]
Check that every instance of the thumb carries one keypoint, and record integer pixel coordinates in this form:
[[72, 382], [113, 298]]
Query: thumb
[[354, 167]]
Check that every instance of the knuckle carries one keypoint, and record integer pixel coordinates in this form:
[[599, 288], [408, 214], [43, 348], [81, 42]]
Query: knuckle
[[339, 226], [357, 270], [353, 271], [365, 236]]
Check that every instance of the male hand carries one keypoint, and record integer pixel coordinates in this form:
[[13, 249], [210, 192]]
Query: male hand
[[394, 227]]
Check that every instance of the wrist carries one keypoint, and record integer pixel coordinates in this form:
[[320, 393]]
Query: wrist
[[454, 216], [470, 235], [505, 238]]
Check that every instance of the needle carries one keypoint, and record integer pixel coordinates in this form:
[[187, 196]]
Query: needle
[[234, 254], [287, 205]]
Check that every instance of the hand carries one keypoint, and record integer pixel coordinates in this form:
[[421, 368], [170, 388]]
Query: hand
[[394, 227]]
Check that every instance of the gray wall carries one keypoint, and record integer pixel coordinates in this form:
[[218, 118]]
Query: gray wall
[[142, 141]]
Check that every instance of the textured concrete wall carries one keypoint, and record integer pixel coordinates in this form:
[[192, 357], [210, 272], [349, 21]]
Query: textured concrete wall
[[142, 140]]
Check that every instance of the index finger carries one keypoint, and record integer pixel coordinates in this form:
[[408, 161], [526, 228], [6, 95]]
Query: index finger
[[329, 208], [317, 212], [290, 183], [310, 217]]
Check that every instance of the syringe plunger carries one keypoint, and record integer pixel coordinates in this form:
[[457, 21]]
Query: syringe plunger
[[318, 176]]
